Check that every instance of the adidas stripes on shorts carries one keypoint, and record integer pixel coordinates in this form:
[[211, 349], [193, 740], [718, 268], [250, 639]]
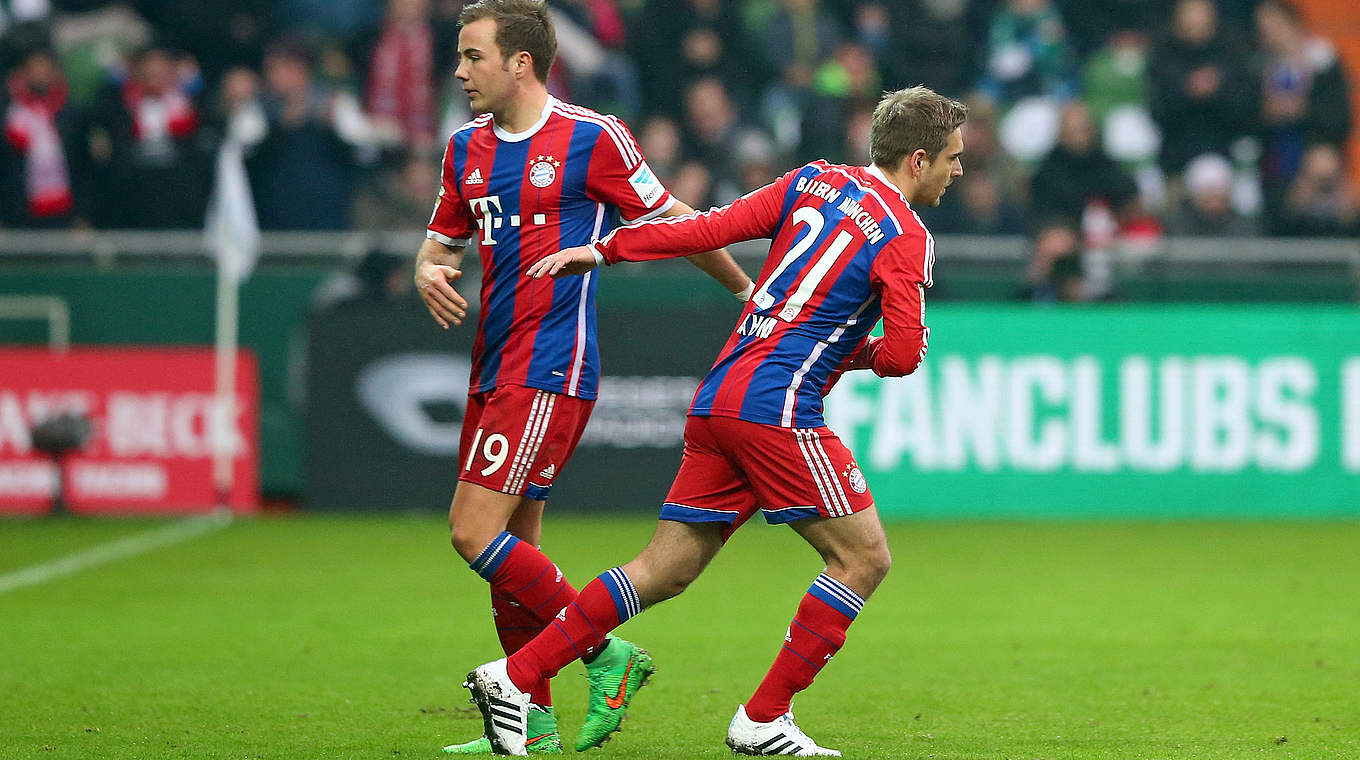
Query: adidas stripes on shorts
[[516, 439], [731, 468]]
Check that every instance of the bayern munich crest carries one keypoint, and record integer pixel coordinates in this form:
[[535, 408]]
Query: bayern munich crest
[[543, 171], [857, 482]]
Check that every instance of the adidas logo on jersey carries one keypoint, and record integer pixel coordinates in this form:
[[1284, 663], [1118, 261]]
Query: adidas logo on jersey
[[548, 473], [475, 178]]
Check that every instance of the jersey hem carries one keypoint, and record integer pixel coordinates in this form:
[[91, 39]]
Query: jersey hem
[[446, 240], [772, 420], [538, 386]]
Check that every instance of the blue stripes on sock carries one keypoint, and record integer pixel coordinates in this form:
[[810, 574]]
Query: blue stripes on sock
[[837, 594], [489, 561], [626, 600]]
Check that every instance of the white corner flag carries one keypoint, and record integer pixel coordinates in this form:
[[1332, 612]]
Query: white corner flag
[[232, 235], [231, 232]]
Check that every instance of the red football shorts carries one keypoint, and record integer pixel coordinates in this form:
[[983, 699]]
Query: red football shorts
[[732, 467], [515, 439]]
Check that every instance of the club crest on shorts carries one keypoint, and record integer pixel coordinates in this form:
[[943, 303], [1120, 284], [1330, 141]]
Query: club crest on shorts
[[857, 482], [543, 171]]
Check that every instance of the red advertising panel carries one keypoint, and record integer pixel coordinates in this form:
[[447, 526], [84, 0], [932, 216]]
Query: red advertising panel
[[153, 430]]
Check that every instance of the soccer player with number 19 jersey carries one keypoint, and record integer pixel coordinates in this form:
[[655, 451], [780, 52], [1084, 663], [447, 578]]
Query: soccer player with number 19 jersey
[[527, 177], [847, 248]]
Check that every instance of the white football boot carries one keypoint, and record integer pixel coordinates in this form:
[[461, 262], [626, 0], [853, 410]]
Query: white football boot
[[780, 736], [505, 709]]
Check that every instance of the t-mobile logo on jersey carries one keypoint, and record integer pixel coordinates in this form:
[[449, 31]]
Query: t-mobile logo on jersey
[[487, 210]]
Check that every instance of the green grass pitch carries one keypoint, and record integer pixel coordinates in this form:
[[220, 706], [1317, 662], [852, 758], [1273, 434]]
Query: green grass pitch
[[323, 637]]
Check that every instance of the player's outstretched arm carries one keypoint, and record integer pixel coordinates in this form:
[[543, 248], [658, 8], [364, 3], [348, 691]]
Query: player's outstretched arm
[[564, 263], [717, 264], [435, 272]]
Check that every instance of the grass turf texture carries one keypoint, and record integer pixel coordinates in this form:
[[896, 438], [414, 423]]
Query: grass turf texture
[[308, 637]]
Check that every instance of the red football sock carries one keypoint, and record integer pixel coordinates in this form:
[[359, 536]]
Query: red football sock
[[527, 589], [515, 627], [816, 633], [578, 630]]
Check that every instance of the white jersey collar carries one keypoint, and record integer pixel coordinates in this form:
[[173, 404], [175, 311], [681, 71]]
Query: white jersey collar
[[531, 131], [881, 177]]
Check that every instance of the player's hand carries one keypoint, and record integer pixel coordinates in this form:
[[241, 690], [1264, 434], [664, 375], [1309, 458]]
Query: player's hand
[[564, 263], [434, 283]]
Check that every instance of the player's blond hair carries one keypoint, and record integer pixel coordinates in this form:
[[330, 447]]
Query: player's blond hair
[[521, 25], [905, 121]]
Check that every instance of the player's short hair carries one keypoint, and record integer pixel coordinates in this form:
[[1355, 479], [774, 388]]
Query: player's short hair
[[905, 121], [521, 25]]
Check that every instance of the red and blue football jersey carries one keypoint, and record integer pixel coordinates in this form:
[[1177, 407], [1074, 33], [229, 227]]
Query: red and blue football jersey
[[566, 181], [847, 249]]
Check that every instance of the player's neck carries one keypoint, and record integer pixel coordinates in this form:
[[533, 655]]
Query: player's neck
[[524, 110], [902, 180]]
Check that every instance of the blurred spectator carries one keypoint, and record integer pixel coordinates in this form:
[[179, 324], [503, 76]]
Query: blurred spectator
[[221, 35], [401, 73], [1028, 54], [797, 39], [159, 171], [398, 194], [848, 79], [1304, 96], [1116, 75], [689, 39], [693, 184], [345, 20], [855, 149], [975, 205], [756, 166], [1321, 200], [659, 139], [376, 278], [93, 46], [1079, 187], [1208, 206], [302, 162], [599, 18], [595, 74], [712, 130], [42, 154], [1055, 272], [931, 41], [23, 12], [1090, 23], [1201, 95]]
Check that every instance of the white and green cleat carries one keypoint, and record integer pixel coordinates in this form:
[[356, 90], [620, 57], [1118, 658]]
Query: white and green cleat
[[615, 676], [541, 739]]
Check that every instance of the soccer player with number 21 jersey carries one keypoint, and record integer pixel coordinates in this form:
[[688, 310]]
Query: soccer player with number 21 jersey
[[528, 176], [847, 249]]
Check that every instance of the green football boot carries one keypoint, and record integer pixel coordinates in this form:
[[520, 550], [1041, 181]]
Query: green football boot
[[542, 738], [615, 676]]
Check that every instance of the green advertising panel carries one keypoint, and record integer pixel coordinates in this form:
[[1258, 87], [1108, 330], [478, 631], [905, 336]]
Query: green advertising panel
[[1119, 411]]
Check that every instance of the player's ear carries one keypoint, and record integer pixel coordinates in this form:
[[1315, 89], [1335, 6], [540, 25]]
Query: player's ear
[[917, 161]]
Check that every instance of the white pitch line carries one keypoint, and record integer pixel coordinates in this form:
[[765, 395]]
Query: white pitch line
[[129, 546]]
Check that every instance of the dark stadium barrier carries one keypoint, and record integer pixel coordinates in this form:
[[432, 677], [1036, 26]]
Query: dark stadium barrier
[[386, 389]]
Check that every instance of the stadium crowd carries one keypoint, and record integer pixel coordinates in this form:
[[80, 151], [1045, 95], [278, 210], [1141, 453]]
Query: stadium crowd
[[1091, 120]]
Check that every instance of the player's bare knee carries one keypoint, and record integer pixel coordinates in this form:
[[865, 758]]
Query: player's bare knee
[[468, 542], [878, 561]]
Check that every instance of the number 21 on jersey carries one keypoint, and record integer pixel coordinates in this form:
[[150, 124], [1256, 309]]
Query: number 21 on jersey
[[813, 277]]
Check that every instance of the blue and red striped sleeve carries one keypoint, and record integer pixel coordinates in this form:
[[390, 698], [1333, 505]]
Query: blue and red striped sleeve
[[900, 276], [619, 176], [451, 222]]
